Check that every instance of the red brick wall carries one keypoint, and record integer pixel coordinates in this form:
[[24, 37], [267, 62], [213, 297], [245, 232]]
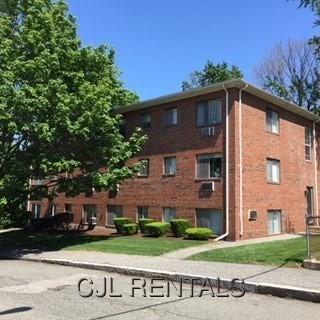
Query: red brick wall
[[184, 141]]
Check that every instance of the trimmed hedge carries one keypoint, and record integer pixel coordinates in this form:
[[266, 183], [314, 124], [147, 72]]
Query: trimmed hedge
[[120, 222], [198, 233], [157, 229], [130, 229], [142, 224], [179, 226]]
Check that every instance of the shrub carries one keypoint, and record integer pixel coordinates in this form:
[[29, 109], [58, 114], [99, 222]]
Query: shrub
[[61, 220], [39, 224], [130, 229], [198, 233], [120, 222], [179, 226], [142, 224], [157, 229]]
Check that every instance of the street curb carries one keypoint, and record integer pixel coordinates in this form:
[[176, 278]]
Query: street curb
[[282, 291]]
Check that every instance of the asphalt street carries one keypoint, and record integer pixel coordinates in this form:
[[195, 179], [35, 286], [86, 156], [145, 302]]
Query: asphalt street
[[30, 290]]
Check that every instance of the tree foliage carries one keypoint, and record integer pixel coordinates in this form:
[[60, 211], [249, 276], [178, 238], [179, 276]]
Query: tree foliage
[[314, 5], [212, 74], [292, 72], [56, 102]]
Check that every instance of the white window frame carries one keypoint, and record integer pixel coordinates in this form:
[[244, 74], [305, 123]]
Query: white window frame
[[145, 120], [171, 117], [142, 212], [214, 172], [86, 217], [113, 211], [169, 213], [274, 222], [209, 112], [308, 144], [272, 119], [169, 166], [53, 209], [144, 170], [36, 210], [273, 170]]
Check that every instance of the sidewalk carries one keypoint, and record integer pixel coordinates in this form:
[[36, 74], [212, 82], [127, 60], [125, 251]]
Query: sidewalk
[[299, 284]]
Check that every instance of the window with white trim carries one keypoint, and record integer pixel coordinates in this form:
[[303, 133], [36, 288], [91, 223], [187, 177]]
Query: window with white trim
[[53, 209], [170, 165], [145, 120], [273, 171], [171, 117], [272, 121], [113, 212], [142, 213], [36, 210], [308, 144], [89, 212], [144, 170], [169, 214], [274, 222], [208, 112], [209, 166]]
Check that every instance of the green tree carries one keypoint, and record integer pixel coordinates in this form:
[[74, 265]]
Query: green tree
[[212, 74], [56, 107], [314, 5]]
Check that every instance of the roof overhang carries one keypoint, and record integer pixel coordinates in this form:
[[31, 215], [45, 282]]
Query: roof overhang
[[235, 83]]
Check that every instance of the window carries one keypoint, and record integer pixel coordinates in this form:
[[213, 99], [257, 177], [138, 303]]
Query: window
[[36, 210], [37, 182], [69, 175], [68, 208], [272, 121], [208, 112], [142, 213], [307, 144], [273, 170], [170, 166], [89, 212], [144, 170], [211, 219], [123, 127], [208, 166], [274, 222], [113, 212], [171, 117], [145, 120], [169, 214], [53, 210]]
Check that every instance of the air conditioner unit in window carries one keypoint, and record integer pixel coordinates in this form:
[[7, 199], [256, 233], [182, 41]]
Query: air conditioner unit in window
[[208, 131], [252, 215], [207, 186]]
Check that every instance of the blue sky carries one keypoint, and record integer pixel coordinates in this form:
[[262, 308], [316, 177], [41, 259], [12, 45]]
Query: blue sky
[[160, 42]]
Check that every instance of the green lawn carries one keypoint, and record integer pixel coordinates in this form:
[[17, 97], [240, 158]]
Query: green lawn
[[289, 253], [128, 245]]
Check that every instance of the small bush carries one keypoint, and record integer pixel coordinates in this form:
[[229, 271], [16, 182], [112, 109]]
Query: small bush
[[179, 226], [120, 222], [130, 229], [39, 224], [142, 224], [198, 233], [157, 229], [61, 220]]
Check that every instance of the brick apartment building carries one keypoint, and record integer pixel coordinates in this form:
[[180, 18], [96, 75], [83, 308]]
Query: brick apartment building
[[229, 156]]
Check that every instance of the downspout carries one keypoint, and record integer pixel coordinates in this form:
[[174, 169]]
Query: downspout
[[315, 166], [227, 166], [240, 161]]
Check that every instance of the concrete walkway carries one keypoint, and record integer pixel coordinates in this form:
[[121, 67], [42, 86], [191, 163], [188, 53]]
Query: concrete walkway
[[280, 281]]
